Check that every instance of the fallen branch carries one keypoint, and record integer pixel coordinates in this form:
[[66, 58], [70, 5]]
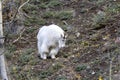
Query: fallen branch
[[22, 6], [21, 33]]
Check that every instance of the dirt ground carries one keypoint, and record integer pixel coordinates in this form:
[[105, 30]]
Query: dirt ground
[[92, 51]]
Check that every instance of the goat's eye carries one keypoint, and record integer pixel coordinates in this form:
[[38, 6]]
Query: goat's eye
[[64, 37]]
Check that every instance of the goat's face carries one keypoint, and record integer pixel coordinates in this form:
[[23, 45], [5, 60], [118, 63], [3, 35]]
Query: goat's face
[[62, 41]]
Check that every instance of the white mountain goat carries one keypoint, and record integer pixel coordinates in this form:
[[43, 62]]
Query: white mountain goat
[[50, 39]]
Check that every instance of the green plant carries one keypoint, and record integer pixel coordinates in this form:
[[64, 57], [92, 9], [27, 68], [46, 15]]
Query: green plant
[[44, 74], [61, 78], [14, 69], [8, 55], [64, 15], [30, 30], [57, 66], [51, 3], [54, 3], [52, 69], [11, 48], [80, 68], [43, 5], [113, 8], [99, 18], [30, 7], [48, 14], [34, 20], [26, 56], [102, 17]]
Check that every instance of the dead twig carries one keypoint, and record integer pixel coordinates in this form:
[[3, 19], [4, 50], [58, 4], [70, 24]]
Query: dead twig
[[22, 6], [18, 11], [20, 35]]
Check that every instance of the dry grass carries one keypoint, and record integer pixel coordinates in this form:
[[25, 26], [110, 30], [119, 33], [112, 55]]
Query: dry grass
[[91, 55]]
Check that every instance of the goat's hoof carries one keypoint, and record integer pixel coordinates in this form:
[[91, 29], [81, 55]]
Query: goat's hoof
[[53, 57]]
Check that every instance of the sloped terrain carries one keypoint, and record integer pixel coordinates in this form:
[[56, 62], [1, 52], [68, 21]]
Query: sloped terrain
[[92, 51]]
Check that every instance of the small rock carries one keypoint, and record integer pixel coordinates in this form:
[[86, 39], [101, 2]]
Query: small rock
[[73, 56], [117, 40], [88, 67], [77, 34], [53, 64], [93, 73]]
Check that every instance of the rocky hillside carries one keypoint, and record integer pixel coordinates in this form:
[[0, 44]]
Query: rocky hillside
[[92, 52]]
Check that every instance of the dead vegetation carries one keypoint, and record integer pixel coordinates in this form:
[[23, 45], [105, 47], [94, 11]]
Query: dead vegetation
[[92, 27]]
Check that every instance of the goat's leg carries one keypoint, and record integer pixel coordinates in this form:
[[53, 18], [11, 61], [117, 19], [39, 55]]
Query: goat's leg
[[53, 53]]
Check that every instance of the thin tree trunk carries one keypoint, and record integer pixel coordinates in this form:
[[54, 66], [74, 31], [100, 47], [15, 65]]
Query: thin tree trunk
[[2, 60], [3, 68]]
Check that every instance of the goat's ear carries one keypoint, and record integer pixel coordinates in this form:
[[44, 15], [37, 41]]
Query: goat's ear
[[62, 36], [65, 35]]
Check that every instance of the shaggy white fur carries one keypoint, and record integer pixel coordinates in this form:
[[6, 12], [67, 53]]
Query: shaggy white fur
[[50, 39]]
